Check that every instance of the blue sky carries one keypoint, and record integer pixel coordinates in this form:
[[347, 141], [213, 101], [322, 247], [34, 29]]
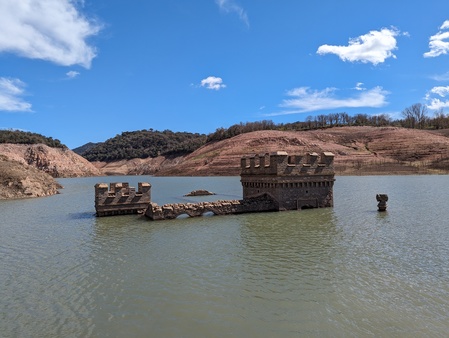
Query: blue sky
[[85, 70]]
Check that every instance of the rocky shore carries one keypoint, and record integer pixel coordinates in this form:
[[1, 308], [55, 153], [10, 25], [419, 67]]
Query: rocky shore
[[29, 170], [18, 180]]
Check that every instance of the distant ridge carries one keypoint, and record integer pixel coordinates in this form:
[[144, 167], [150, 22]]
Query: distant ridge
[[85, 148], [358, 151]]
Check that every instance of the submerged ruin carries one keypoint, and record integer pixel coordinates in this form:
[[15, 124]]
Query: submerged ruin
[[270, 182]]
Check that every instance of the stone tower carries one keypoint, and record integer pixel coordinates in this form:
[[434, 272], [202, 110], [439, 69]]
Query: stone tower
[[293, 181]]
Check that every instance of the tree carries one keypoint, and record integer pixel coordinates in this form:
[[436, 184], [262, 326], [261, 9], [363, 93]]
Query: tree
[[415, 116]]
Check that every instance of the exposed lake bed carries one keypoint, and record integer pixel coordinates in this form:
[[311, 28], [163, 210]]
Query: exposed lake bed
[[346, 270]]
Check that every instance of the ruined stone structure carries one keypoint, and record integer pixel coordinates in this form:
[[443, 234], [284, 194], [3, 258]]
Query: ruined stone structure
[[294, 182], [382, 199], [121, 199], [171, 211], [271, 182]]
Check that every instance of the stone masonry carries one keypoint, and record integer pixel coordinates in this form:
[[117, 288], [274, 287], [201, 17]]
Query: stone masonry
[[270, 182], [295, 182], [121, 199]]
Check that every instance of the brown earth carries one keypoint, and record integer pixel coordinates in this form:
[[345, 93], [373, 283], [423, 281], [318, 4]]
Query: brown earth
[[57, 162], [29, 170], [18, 180], [358, 151], [138, 166]]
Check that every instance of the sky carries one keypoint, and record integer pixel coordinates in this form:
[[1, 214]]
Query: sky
[[86, 70]]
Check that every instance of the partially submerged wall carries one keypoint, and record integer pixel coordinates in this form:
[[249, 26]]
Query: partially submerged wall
[[170, 211]]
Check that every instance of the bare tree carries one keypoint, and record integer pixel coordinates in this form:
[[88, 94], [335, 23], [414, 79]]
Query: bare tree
[[415, 116]]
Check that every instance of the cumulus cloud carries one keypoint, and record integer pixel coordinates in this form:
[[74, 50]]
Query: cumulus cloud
[[212, 82], [11, 92], [72, 74], [439, 43], [229, 6], [438, 98], [52, 30], [304, 99], [374, 47]]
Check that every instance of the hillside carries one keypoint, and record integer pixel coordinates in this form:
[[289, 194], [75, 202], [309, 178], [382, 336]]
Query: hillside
[[358, 151], [18, 180], [57, 162], [142, 144]]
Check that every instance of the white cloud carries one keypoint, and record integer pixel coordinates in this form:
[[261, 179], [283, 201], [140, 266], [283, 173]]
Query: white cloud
[[374, 47], [359, 86], [441, 77], [72, 74], [438, 98], [306, 100], [52, 30], [437, 43], [229, 6], [11, 91], [212, 82]]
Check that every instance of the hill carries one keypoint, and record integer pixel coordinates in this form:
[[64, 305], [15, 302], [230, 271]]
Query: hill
[[358, 151], [84, 148], [29, 162], [143, 144], [57, 162], [25, 137], [18, 180]]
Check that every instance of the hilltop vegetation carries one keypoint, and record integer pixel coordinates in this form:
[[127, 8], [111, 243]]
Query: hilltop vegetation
[[144, 144], [25, 137]]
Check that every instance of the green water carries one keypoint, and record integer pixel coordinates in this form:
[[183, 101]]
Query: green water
[[335, 272]]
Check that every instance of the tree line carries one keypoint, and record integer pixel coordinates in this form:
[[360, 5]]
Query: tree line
[[144, 144], [26, 137], [416, 116]]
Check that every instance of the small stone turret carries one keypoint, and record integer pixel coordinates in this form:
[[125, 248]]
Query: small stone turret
[[121, 199]]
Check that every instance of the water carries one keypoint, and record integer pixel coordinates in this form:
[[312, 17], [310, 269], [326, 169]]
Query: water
[[335, 272]]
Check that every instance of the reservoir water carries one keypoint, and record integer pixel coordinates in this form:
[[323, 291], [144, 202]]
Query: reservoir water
[[334, 272]]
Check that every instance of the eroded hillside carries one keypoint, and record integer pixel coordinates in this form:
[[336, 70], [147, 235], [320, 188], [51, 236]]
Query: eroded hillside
[[57, 162], [358, 151]]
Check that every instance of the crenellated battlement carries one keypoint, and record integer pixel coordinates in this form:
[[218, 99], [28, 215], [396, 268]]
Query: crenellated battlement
[[294, 181], [120, 198], [281, 163]]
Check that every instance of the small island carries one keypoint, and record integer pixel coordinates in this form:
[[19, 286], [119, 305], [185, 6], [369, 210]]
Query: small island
[[199, 193]]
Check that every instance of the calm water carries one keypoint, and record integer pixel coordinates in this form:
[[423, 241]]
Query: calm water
[[336, 272]]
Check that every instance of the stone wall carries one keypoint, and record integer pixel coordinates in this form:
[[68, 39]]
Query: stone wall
[[170, 211]]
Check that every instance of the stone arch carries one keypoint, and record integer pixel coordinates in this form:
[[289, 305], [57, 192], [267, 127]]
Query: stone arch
[[306, 203]]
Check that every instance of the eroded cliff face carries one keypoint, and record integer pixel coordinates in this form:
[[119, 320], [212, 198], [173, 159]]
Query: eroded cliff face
[[19, 180], [56, 162]]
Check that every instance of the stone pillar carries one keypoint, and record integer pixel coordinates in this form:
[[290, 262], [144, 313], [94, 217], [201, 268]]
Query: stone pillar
[[382, 199]]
